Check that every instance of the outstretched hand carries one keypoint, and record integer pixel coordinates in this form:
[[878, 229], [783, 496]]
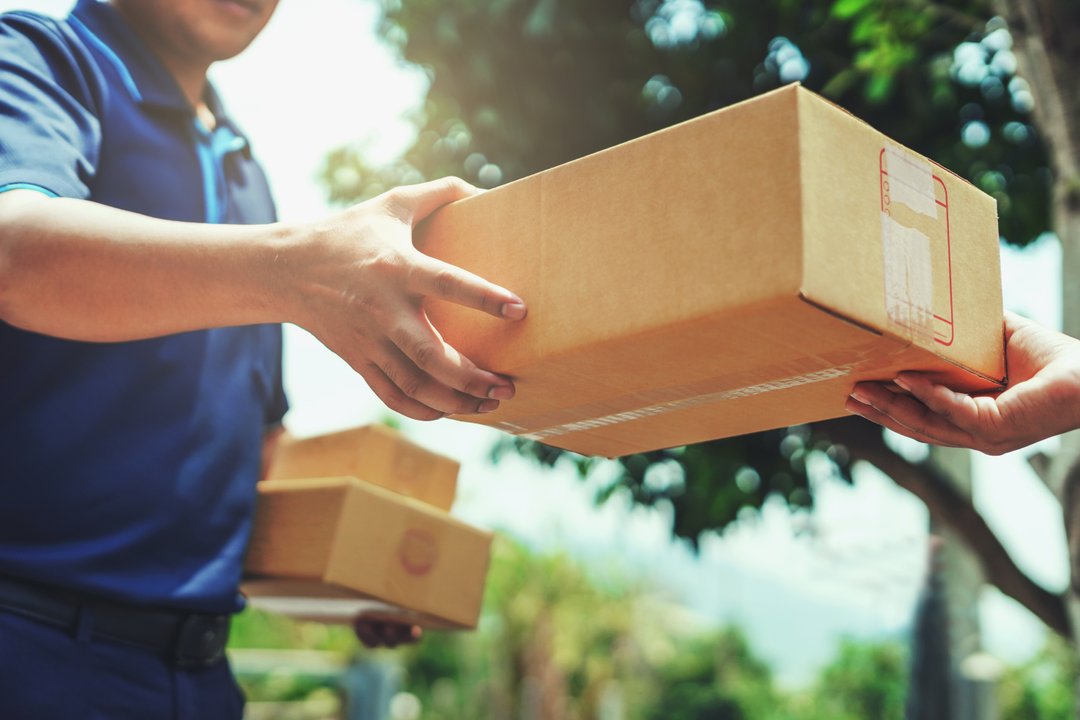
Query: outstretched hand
[[1042, 398], [385, 633], [362, 290]]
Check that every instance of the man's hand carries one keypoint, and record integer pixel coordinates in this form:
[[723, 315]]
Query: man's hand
[[78, 270], [385, 633], [362, 286], [1041, 400]]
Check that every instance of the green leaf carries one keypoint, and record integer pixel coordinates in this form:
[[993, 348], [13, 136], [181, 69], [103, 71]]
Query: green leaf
[[847, 9], [879, 87], [840, 83]]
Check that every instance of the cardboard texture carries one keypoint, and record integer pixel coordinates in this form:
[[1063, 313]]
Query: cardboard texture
[[735, 273], [374, 453], [329, 549]]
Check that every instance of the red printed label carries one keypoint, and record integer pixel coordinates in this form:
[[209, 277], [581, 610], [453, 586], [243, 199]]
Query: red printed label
[[918, 248], [417, 551]]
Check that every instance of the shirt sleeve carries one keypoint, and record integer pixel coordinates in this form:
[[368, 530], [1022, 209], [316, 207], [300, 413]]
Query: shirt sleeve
[[49, 128]]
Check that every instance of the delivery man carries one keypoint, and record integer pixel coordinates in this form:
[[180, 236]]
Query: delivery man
[[143, 280]]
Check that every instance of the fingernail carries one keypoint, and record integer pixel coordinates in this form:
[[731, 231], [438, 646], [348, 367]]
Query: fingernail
[[902, 383], [513, 310], [860, 396], [501, 392], [487, 406]]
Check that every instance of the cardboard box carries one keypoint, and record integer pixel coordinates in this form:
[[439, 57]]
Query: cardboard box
[[329, 549], [731, 274], [375, 453]]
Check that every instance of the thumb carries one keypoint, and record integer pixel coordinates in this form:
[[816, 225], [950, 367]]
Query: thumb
[[412, 203]]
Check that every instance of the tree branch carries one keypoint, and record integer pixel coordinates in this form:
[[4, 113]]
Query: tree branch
[[865, 441], [1041, 465]]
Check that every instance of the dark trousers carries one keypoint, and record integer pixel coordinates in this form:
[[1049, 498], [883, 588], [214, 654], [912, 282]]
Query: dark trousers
[[51, 674]]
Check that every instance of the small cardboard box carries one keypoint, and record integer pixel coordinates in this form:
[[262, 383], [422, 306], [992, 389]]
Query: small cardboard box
[[333, 548], [735, 273], [374, 453]]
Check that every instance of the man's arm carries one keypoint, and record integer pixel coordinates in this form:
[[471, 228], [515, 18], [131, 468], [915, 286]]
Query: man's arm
[[83, 271]]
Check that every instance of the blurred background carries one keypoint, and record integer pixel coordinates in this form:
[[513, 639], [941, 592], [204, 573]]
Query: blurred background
[[825, 571]]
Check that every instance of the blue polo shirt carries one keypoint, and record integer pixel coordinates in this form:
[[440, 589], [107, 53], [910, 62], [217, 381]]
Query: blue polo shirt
[[127, 469]]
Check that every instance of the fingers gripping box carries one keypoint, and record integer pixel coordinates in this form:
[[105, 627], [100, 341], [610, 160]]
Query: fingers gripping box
[[735, 273]]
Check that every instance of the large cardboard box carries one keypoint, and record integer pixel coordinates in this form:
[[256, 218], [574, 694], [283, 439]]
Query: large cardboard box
[[375, 453], [333, 548], [734, 273]]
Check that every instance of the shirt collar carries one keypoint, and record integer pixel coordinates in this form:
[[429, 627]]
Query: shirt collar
[[213, 101], [145, 77]]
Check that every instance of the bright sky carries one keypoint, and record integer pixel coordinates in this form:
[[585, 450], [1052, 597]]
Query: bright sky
[[317, 79]]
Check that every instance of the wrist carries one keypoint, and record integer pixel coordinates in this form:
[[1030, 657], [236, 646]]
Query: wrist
[[284, 248]]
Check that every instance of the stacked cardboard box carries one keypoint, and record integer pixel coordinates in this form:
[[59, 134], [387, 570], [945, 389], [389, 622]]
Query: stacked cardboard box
[[356, 523], [376, 453], [735, 273]]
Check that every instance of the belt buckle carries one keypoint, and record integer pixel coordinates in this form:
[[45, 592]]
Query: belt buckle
[[200, 641]]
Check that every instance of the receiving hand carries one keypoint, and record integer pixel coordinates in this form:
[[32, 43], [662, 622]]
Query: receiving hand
[[1042, 398], [385, 633], [362, 289]]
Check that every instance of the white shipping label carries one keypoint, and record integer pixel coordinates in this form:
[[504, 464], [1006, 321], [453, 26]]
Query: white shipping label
[[909, 292], [911, 181]]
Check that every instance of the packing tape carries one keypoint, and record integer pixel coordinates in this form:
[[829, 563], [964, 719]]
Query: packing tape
[[908, 266], [909, 289], [911, 181], [706, 399]]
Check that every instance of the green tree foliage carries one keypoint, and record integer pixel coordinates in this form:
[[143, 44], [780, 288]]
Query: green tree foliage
[[556, 643], [565, 644], [258, 630], [1044, 688], [716, 676], [709, 485], [866, 680], [549, 636], [518, 86]]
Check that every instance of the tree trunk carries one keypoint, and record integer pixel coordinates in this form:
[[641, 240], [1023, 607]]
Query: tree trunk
[[1047, 37], [953, 509], [962, 581], [930, 690]]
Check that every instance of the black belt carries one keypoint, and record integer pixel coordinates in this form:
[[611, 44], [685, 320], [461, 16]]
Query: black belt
[[188, 640]]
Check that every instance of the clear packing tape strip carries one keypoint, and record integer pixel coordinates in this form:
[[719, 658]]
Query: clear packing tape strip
[[686, 403], [908, 261]]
